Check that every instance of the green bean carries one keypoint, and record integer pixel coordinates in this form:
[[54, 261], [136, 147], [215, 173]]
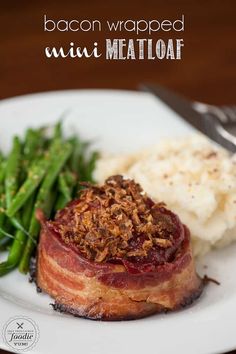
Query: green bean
[[35, 176], [70, 177], [18, 225], [51, 199], [33, 141], [75, 156], [58, 130], [41, 202], [91, 166], [72, 180], [66, 183], [2, 171], [11, 167], [60, 202], [63, 186], [42, 141], [6, 233], [77, 162], [6, 236], [56, 166], [33, 144], [83, 163], [2, 212], [17, 246], [57, 134], [1, 161], [2, 195], [12, 171]]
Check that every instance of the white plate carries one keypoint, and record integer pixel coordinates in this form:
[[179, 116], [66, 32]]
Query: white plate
[[118, 121]]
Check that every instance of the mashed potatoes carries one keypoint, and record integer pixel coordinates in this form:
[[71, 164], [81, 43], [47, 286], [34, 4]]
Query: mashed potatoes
[[193, 177]]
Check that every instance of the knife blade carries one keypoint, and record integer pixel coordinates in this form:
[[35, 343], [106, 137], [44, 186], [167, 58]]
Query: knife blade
[[178, 104], [206, 123]]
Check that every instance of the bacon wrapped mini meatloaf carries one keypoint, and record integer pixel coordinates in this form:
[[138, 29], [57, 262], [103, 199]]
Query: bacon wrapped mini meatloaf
[[114, 254]]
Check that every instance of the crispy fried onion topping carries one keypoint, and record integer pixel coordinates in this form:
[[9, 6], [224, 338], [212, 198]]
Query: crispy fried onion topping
[[119, 221]]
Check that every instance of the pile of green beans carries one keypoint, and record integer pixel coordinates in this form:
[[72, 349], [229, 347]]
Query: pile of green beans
[[42, 171]]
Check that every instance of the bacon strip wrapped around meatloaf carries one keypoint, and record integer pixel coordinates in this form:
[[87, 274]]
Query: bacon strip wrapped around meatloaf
[[114, 254]]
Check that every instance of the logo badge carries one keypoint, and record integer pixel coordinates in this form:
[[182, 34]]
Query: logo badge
[[20, 333]]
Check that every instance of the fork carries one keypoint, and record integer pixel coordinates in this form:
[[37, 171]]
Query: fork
[[221, 122]]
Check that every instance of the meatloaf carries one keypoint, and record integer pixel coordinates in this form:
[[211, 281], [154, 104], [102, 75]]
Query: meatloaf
[[115, 254]]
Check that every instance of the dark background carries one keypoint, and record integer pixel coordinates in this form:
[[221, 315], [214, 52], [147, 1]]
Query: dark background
[[207, 71]]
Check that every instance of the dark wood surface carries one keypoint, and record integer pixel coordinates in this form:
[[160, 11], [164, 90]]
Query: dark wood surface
[[207, 71]]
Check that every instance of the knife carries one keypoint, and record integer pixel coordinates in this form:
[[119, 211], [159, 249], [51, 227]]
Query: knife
[[205, 122]]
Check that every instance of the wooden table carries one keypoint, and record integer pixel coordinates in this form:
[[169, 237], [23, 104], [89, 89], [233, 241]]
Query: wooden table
[[207, 71]]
